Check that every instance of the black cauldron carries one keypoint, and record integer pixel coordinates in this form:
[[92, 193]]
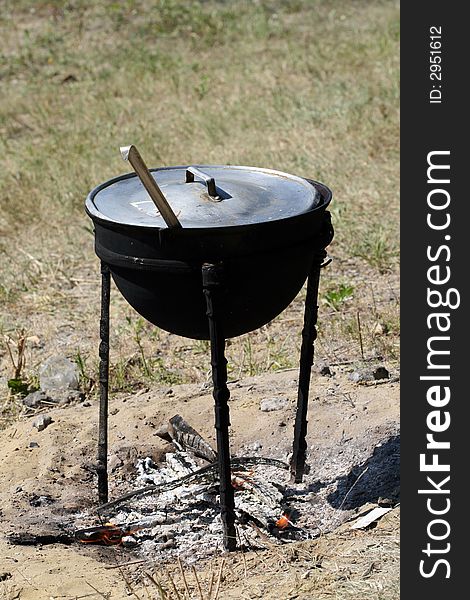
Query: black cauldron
[[264, 227]]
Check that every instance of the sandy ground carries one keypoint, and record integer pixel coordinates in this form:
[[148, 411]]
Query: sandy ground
[[45, 487]]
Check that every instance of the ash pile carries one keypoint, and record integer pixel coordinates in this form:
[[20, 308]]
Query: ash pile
[[174, 509]]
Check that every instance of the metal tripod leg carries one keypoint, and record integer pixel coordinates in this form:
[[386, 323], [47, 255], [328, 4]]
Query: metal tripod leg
[[102, 467], [211, 280], [309, 335]]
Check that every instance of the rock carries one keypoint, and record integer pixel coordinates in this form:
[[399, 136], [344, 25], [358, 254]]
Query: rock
[[163, 432], [114, 462], [35, 399], [164, 537], [129, 541], [37, 501], [381, 373], [66, 396], [33, 445], [271, 404], [42, 421], [59, 373], [323, 369], [361, 375], [56, 396], [167, 545], [34, 341], [380, 328], [256, 446]]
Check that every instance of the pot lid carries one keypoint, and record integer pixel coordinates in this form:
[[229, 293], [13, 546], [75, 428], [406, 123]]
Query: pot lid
[[205, 196]]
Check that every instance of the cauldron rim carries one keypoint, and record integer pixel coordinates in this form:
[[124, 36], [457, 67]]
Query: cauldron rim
[[90, 208]]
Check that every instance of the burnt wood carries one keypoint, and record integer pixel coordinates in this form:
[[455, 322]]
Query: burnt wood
[[188, 438]]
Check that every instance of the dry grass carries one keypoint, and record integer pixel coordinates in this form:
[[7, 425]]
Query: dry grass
[[309, 87], [340, 565]]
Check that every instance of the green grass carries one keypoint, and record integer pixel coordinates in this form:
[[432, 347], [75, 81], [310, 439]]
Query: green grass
[[305, 86], [334, 297]]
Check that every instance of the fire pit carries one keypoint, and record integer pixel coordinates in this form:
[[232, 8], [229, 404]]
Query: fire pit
[[211, 252]]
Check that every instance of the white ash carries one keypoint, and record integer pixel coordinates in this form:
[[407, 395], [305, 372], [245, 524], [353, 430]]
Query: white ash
[[185, 521]]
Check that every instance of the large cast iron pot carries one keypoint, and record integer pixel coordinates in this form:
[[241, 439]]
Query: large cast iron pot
[[264, 226]]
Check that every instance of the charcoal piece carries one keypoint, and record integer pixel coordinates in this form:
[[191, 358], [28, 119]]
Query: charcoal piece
[[43, 539]]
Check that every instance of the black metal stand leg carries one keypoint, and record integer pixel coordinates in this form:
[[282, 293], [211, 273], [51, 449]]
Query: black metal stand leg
[[309, 335], [211, 279], [102, 467]]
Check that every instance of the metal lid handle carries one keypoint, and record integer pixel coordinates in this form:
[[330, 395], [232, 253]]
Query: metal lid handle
[[208, 180]]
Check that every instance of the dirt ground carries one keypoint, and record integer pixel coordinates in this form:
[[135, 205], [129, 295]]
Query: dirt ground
[[46, 487]]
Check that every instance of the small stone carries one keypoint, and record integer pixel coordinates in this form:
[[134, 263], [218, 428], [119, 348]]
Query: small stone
[[323, 368], [114, 462], [272, 404], [42, 421], [256, 446], [33, 445], [37, 501], [34, 341], [86, 403], [167, 545], [65, 396], [380, 328], [164, 433], [35, 399], [381, 373], [164, 537], [58, 373], [386, 502], [361, 375], [129, 541]]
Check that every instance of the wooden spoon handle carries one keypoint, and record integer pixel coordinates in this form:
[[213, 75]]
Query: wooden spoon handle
[[131, 154]]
